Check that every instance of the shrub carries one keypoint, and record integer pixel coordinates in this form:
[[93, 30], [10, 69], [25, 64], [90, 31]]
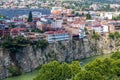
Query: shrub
[[14, 70]]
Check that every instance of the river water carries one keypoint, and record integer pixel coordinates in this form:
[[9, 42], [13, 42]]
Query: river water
[[14, 12]]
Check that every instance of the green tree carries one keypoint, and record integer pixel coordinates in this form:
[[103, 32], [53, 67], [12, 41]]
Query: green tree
[[117, 35], [14, 70], [111, 36], [95, 35], [88, 75], [42, 44], [115, 55], [116, 68], [75, 67], [30, 18], [65, 72], [102, 66], [88, 16], [86, 31], [73, 12], [49, 71], [54, 71], [14, 45], [116, 17]]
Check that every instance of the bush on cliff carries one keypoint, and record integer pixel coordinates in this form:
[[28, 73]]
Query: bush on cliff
[[13, 45], [14, 70], [42, 44], [16, 44]]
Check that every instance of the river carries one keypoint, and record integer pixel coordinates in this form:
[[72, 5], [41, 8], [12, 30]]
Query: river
[[31, 75], [13, 12]]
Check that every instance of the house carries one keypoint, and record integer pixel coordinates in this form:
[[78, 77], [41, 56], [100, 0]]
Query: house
[[34, 36], [4, 30], [43, 25], [17, 31], [101, 28], [53, 36], [114, 26], [57, 24], [56, 10]]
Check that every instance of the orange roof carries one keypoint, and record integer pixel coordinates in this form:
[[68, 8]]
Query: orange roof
[[18, 29], [56, 12]]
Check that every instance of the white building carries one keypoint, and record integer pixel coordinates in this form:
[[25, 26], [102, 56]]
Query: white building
[[57, 23], [53, 36], [56, 9], [101, 28], [108, 15]]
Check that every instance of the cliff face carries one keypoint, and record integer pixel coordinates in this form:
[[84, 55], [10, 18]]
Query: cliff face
[[30, 58]]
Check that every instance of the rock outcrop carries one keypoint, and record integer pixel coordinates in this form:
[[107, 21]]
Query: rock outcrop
[[30, 57]]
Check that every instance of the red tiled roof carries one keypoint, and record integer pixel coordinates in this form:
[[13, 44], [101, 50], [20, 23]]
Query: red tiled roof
[[18, 29]]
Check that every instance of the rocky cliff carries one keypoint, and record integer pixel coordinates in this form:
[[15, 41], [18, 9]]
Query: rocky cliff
[[29, 58]]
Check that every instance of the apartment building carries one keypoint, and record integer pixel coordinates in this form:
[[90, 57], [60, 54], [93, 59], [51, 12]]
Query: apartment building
[[53, 36]]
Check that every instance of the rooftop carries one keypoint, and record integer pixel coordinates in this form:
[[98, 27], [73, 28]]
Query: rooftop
[[56, 32]]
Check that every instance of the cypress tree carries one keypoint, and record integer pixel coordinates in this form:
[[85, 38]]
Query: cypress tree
[[30, 19], [88, 16]]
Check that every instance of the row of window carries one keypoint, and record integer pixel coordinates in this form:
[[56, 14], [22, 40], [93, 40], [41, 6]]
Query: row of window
[[58, 39], [58, 36]]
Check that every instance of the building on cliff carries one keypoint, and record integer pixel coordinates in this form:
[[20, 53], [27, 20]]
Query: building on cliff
[[53, 36]]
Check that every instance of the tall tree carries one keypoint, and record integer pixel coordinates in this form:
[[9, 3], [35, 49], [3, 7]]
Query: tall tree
[[88, 16], [30, 18]]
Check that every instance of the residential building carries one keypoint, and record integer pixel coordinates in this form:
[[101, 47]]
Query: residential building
[[115, 26], [57, 24], [4, 30], [44, 25], [101, 28], [53, 36], [17, 31], [34, 36]]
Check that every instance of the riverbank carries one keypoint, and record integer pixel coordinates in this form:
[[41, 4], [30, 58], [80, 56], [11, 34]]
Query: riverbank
[[31, 75], [25, 76]]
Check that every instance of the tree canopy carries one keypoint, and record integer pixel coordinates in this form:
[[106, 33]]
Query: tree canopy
[[99, 69]]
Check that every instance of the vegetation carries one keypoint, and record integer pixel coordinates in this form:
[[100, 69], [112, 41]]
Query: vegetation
[[86, 31], [115, 37], [30, 18], [88, 16], [41, 44], [2, 16], [14, 70], [95, 35], [99, 69], [116, 55], [16, 44], [56, 71], [37, 30], [116, 17], [111, 36], [31, 75]]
